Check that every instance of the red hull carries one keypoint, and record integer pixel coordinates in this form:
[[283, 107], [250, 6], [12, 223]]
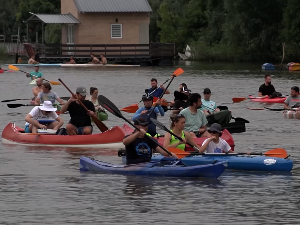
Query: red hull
[[267, 100], [112, 138]]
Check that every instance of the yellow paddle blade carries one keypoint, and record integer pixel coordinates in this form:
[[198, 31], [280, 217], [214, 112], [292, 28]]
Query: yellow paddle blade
[[131, 108], [276, 152], [178, 72], [13, 67]]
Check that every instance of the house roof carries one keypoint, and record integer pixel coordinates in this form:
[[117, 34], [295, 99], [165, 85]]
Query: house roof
[[85, 6], [53, 18]]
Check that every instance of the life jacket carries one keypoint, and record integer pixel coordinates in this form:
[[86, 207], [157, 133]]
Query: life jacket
[[175, 140]]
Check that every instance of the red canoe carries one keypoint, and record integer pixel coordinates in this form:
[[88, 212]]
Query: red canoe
[[267, 100], [110, 139]]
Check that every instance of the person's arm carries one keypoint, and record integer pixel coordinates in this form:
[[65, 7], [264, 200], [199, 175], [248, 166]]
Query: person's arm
[[159, 109], [36, 123], [162, 87], [131, 138], [205, 144], [189, 139], [60, 123], [204, 122], [60, 100], [287, 102], [227, 147], [138, 113], [37, 100], [65, 107], [202, 129], [35, 91], [260, 90]]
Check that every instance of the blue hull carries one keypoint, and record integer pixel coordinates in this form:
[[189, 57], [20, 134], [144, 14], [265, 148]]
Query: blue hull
[[153, 169], [240, 162]]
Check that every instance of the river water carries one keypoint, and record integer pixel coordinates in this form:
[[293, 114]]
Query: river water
[[40, 185]]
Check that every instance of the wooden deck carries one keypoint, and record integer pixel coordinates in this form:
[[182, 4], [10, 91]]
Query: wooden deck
[[117, 53]]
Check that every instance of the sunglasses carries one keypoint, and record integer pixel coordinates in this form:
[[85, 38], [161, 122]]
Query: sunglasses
[[212, 132], [206, 93]]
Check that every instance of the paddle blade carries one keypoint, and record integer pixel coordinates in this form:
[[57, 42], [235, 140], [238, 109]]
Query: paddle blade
[[109, 106], [159, 124], [179, 153], [17, 105], [13, 67], [131, 108], [237, 100], [178, 72], [276, 152], [54, 82], [11, 100]]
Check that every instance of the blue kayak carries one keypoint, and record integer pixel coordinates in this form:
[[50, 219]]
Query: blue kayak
[[165, 167], [239, 162]]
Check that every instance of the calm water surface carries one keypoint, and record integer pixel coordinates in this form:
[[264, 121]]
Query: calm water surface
[[40, 185]]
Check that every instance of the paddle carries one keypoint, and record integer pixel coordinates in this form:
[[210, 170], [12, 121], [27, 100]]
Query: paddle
[[11, 100], [109, 106], [133, 108], [102, 127], [163, 127], [277, 152], [17, 69]]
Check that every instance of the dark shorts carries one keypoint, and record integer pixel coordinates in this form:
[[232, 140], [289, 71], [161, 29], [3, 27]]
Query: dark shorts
[[80, 129], [198, 134]]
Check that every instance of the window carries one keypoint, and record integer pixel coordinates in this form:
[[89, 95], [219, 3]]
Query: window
[[116, 31]]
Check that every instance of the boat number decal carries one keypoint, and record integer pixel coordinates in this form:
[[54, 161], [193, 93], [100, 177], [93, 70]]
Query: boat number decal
[[269, 162]]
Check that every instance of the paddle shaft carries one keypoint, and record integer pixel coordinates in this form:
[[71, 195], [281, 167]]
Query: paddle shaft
[[225, 154], [99, 124]]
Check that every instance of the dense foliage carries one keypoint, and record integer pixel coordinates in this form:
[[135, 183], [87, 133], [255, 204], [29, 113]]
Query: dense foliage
[[233, 30]]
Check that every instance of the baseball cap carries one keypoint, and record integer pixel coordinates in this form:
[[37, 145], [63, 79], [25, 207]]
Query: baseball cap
[[81, 90], [215, 127], [207, 90], [141, 121]]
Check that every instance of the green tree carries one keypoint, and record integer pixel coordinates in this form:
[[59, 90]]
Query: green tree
[[154, 17], [7, 17]]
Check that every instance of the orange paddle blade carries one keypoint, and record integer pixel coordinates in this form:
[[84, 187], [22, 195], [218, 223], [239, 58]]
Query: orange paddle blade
[[13, 67], [179, 153], [54, 82], [131, 108], [237, 100], [276, 152], [178, 72], [163, 102]]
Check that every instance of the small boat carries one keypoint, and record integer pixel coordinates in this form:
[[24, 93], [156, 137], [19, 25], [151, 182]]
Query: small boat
[[267, 66], [76, 65], [110, 139], [267, 100], [290, 114], [166, 168], [225, 135], [293, 66], [238, 162]]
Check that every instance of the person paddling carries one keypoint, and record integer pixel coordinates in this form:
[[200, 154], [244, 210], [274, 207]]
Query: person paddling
[[182, 100], [293, 101], [139, 148], [36, 90], [266, 89], [80, 122], [195, 119], [44, 112], [47, 95], [158, 90], [177, 127], [215, 144], [35, 74], [144, 112]]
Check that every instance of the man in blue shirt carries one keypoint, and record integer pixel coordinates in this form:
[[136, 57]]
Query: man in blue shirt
[[36, 74], [144, 113], [158, 90]]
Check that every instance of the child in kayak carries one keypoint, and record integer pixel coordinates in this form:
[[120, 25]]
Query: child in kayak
[[215, 144], [177, 127], [139, 148]]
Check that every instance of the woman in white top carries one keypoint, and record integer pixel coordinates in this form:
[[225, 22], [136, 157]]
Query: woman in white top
[[215, 144], [101, 114]]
